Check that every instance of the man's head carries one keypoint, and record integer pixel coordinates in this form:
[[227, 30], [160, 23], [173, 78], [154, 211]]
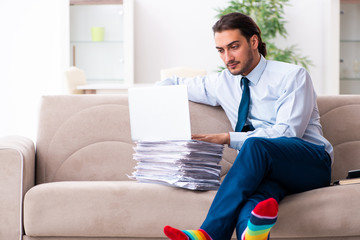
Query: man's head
[[238, 40]]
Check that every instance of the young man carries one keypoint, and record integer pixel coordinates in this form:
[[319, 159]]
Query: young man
[[272, 108]]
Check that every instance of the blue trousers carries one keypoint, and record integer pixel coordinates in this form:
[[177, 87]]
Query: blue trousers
[[264, 168]]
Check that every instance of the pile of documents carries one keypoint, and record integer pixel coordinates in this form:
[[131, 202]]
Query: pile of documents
[[187, 164]]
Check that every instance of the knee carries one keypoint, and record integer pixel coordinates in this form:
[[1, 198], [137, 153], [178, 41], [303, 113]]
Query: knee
[[253, 148]]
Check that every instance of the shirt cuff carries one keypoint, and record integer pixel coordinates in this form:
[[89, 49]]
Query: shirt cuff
[[166, 82], [237, 139]]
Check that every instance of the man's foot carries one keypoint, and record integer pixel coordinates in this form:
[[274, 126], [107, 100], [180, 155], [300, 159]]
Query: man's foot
[[176, 234], [262, 219]]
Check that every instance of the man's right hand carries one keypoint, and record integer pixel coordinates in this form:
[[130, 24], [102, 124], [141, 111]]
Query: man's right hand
[[219, 138]]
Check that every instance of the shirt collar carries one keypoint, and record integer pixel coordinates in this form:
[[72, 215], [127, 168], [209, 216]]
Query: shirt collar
[[255, 74]]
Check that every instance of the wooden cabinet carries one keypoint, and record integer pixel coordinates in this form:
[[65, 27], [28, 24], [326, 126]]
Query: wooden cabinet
[[110, 58], [349, 47]]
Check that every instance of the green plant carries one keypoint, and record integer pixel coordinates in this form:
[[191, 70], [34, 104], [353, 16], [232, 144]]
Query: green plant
[[269, 15]]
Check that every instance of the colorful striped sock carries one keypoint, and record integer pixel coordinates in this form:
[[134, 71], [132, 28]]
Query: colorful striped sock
[[176, 234], [262, 219]]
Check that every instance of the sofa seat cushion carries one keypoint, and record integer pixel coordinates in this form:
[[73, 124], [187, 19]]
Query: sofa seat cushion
[[130, 209], [325, 212], [111, 209]]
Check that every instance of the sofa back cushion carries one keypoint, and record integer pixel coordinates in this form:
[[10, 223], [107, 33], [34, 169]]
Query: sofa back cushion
[[340, 120], [87, 137]]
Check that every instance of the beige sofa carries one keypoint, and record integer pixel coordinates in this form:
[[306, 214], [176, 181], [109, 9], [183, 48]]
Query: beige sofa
[[84, 154]]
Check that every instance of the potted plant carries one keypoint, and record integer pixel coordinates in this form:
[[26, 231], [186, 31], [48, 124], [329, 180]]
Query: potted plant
[[269, 15]]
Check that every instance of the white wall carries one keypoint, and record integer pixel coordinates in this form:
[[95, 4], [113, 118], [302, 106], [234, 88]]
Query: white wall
[[171, 33], [33, 57]]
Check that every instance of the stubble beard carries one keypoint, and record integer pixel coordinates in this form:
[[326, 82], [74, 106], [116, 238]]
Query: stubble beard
[[244, 67]]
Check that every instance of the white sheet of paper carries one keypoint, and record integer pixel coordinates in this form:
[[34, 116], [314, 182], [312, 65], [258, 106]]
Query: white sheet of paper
[[159, 113]]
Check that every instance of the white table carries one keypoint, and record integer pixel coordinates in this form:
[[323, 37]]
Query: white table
[[109, 88]]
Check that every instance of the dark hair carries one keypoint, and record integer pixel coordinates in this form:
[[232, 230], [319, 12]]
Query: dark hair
[[244, 23]]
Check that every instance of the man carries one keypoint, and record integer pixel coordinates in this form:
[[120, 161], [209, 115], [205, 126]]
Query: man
[[272, 108]]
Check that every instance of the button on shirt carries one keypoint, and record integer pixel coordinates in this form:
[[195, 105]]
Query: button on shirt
[[282, 101]]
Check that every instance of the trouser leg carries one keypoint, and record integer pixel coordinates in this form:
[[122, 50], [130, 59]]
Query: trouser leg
[[291, 162]]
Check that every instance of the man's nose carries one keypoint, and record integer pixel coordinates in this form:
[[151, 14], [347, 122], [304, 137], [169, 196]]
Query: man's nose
[[228, 56]]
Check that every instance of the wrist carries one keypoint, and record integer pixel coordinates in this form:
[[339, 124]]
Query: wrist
[[227, 139]]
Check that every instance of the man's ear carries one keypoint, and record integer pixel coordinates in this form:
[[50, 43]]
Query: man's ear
[[254, 41]]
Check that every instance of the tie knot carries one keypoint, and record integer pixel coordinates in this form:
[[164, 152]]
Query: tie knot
[[244, 80]]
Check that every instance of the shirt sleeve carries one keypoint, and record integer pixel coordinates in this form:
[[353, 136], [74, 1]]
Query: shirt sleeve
[[294, 109], [202, 89]]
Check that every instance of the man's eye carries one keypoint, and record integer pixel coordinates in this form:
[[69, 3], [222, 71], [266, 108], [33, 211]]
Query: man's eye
[[220, 50], [234, 46]]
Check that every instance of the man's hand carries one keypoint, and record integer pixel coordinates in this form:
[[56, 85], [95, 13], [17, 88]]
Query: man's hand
[[219, 138]]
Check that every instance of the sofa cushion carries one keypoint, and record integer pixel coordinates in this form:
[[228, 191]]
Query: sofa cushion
[[339, 117], [87, 138], [130, 209], [83, 138], [325, 212], [111, 209]]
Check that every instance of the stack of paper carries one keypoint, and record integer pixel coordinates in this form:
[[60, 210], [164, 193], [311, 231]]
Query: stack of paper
[[187, 164]]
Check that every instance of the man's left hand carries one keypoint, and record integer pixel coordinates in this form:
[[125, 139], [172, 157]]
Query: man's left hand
[[219, 138]]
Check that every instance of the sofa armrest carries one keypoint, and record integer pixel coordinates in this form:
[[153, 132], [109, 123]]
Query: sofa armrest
[[17, 176]]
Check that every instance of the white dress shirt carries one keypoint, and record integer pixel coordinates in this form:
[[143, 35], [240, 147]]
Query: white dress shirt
[[282, 101]]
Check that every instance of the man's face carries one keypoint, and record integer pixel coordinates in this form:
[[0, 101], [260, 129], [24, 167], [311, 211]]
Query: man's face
[[239, 55]]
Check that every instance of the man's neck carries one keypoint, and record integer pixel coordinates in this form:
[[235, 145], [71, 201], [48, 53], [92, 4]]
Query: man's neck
[[255, 63]]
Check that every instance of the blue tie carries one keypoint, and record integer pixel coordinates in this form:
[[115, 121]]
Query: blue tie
[[244, 105]]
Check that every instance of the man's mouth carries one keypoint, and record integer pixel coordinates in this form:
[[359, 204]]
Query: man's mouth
[[232, 65]]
